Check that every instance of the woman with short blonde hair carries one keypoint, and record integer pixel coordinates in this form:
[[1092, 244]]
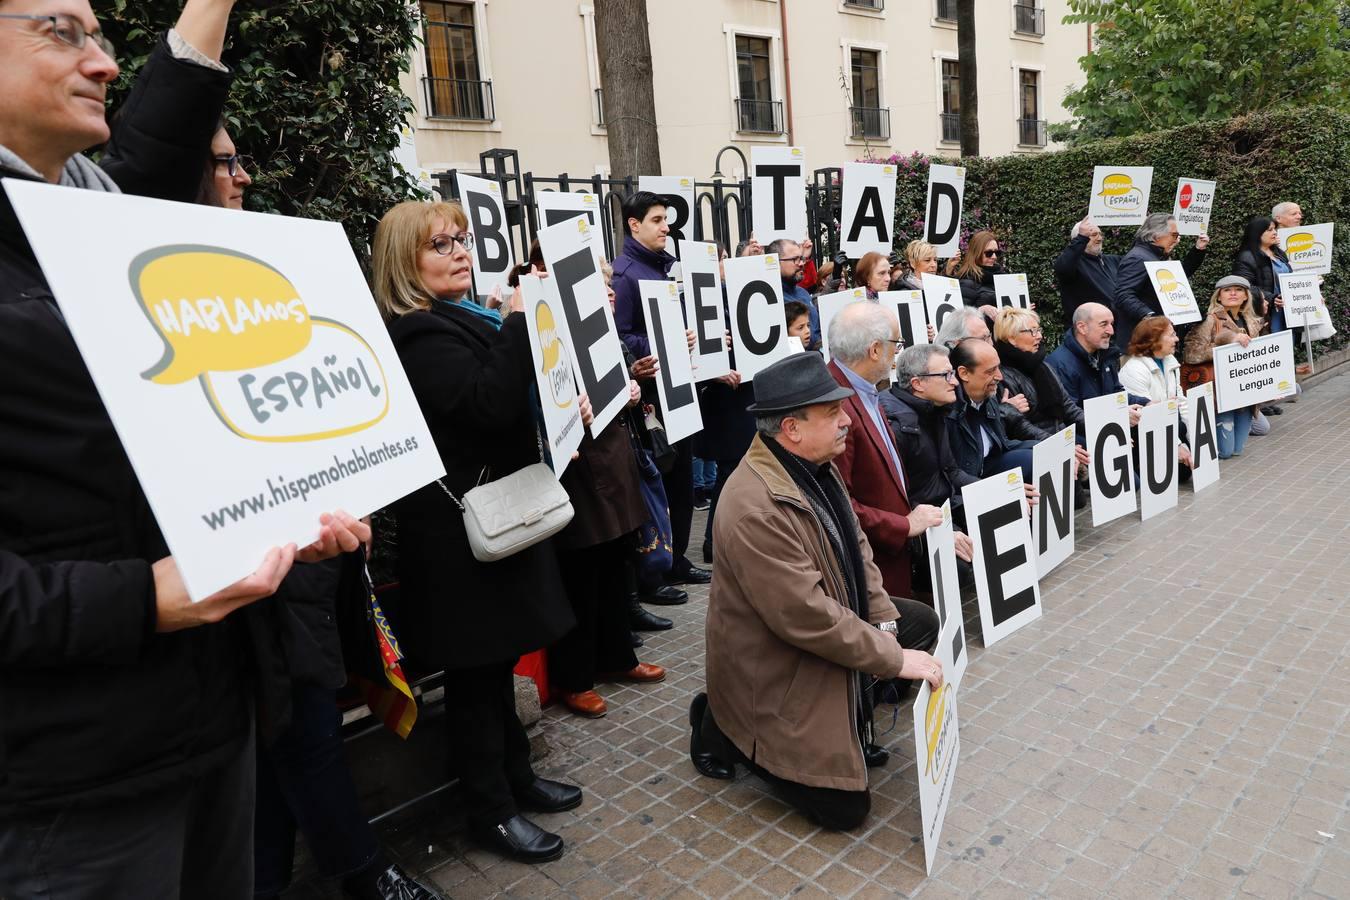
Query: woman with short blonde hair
[[1013, 319], [921, 258]]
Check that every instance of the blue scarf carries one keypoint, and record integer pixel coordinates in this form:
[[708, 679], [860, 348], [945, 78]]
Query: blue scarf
[[491, 316]]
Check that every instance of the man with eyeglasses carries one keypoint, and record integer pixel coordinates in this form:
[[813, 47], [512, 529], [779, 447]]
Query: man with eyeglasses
[[126, 715], [1135, 299], [792, 269]]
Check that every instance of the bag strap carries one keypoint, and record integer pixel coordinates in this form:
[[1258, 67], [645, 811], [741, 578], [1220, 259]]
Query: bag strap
[[455, 500]]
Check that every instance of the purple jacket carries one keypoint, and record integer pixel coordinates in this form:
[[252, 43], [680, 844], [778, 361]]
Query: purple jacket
[[636, 263]]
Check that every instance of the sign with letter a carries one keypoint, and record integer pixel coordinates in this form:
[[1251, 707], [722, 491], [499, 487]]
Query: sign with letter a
[[1200, 430], [868, 209], [778, 193], [942, 216], [1108, 443], [1005, 563], [703, 309], [492, 254], [758, 322], [678, 192]]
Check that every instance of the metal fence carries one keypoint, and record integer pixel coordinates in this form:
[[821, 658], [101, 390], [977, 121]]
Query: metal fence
[[721, 204]]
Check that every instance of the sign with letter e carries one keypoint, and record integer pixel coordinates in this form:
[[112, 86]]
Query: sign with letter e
[[248, 374], [1005, 563], [1120, 195]]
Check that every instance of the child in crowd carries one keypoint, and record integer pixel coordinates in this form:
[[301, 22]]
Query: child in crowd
[[798, 321]]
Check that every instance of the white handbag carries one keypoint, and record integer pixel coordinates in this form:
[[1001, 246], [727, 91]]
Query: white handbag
[[505, 516]]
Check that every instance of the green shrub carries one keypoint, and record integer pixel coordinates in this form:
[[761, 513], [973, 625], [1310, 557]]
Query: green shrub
[[1031, 200]]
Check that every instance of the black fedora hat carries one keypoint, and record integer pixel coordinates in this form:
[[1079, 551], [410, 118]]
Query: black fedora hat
[[796, 381]]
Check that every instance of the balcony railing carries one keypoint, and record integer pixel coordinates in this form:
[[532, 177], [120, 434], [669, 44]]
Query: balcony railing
[[951, 127], [876, 5], [759, 116], [1031, 132], [946, 10], [457, 98], [1028, 19], [870, 122], [600, 107]]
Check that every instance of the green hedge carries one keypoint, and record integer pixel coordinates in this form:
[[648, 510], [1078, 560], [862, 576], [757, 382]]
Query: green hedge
[[1031, 200]]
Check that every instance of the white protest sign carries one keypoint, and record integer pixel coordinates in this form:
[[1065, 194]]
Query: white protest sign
[[868, 209], [576, 283], [703, 309], [940, 542], [942, 220], [1302, 296], [1110, 477], [1201, 434], [909, 309], [1258, 373], [1005, 564], [758, 321], [1159, 435], [1052, 531], [248, 374], [1174, 291], [1120, 195], [1193, 205], [1308, 247], [778, 193], [937, 745], [1012, 290], [678, 192], [829, 306], [405, 154], [680, 412], [941, 297], [553, 373], [492, 254], [795, 344]]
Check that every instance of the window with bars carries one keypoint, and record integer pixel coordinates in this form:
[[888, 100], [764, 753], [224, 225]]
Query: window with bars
[[1030, 126], [453, 86], [869, 119], [756, 109], [951, 100]]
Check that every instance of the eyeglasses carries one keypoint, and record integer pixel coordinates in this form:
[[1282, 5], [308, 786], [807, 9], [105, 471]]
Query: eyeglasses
[[69, 30], [949, 375], [794, 259], [233, 163], [1035, 331], [444, 244]]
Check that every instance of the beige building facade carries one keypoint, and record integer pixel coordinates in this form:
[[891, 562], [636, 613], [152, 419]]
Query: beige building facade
[[839, 78]]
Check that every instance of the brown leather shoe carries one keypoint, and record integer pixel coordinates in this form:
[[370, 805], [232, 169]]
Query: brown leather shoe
[[642, 673], [587, 703]]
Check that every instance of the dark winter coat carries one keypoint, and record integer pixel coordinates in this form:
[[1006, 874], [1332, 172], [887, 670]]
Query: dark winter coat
[[919, 428], [1259, 271], [968, 446], [95, 706], [1085, 375], [1083, 277], [1135, 298], [636, 263], [473, 385], [1051, 409], [603, 485]]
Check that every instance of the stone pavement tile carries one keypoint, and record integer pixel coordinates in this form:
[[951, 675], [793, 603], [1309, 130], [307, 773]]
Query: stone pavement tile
[[1268, 888], [1330, 884]]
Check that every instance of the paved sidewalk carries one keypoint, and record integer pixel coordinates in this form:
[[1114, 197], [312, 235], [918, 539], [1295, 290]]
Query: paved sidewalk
[[1177, 724]]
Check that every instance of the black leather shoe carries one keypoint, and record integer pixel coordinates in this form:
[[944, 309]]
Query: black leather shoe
[[1272, 411], [639, 619], [689, 574], [520, 839], [543, 795], [388, 883], [665, 595], [875, 756], [707, 552], [635, 639], [704, 761]]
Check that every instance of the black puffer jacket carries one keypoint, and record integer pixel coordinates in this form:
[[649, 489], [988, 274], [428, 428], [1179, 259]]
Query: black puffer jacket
[[1051, 408], [968, 446], [1259, 271], [920, 430], [94, 705]]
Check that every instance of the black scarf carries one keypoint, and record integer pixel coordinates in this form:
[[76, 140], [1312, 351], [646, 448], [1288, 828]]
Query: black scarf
[[1019, 359], [831, 505]]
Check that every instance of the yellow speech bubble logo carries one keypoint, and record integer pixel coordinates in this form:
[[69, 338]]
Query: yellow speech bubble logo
[[1285, 385], [1301, 242], [1116, 185], [216, 310], [935, 726], [1167, 281], [1014, 478], [550, 348]]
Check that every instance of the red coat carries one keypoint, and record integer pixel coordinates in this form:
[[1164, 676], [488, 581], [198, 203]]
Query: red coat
[[877, 493]]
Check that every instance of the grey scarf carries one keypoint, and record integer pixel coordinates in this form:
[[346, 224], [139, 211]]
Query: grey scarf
[[78, 172]]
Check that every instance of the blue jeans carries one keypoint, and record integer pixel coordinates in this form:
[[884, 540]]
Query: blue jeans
[[1234, 427], [1013, 459], [705, 474], [303, 783]]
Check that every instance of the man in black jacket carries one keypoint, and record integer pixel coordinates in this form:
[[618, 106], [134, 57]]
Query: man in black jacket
[[1083, 272], [983, 442], [1135, 299], [126, 737]]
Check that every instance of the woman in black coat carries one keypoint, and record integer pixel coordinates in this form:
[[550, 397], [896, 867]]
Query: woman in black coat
[[1044, 404], [471, 371], [975, 270], [1261, 260]]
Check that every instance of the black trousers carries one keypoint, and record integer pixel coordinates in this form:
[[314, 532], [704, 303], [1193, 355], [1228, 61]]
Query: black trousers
[[191, 841], [488, 749], [724, 469], [596, 582], [679, 484]]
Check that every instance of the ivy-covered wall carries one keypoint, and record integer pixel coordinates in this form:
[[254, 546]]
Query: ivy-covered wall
[[1031, 200]]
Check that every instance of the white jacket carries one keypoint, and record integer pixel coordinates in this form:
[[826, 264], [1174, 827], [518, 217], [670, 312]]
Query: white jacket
[[1141, 375]]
